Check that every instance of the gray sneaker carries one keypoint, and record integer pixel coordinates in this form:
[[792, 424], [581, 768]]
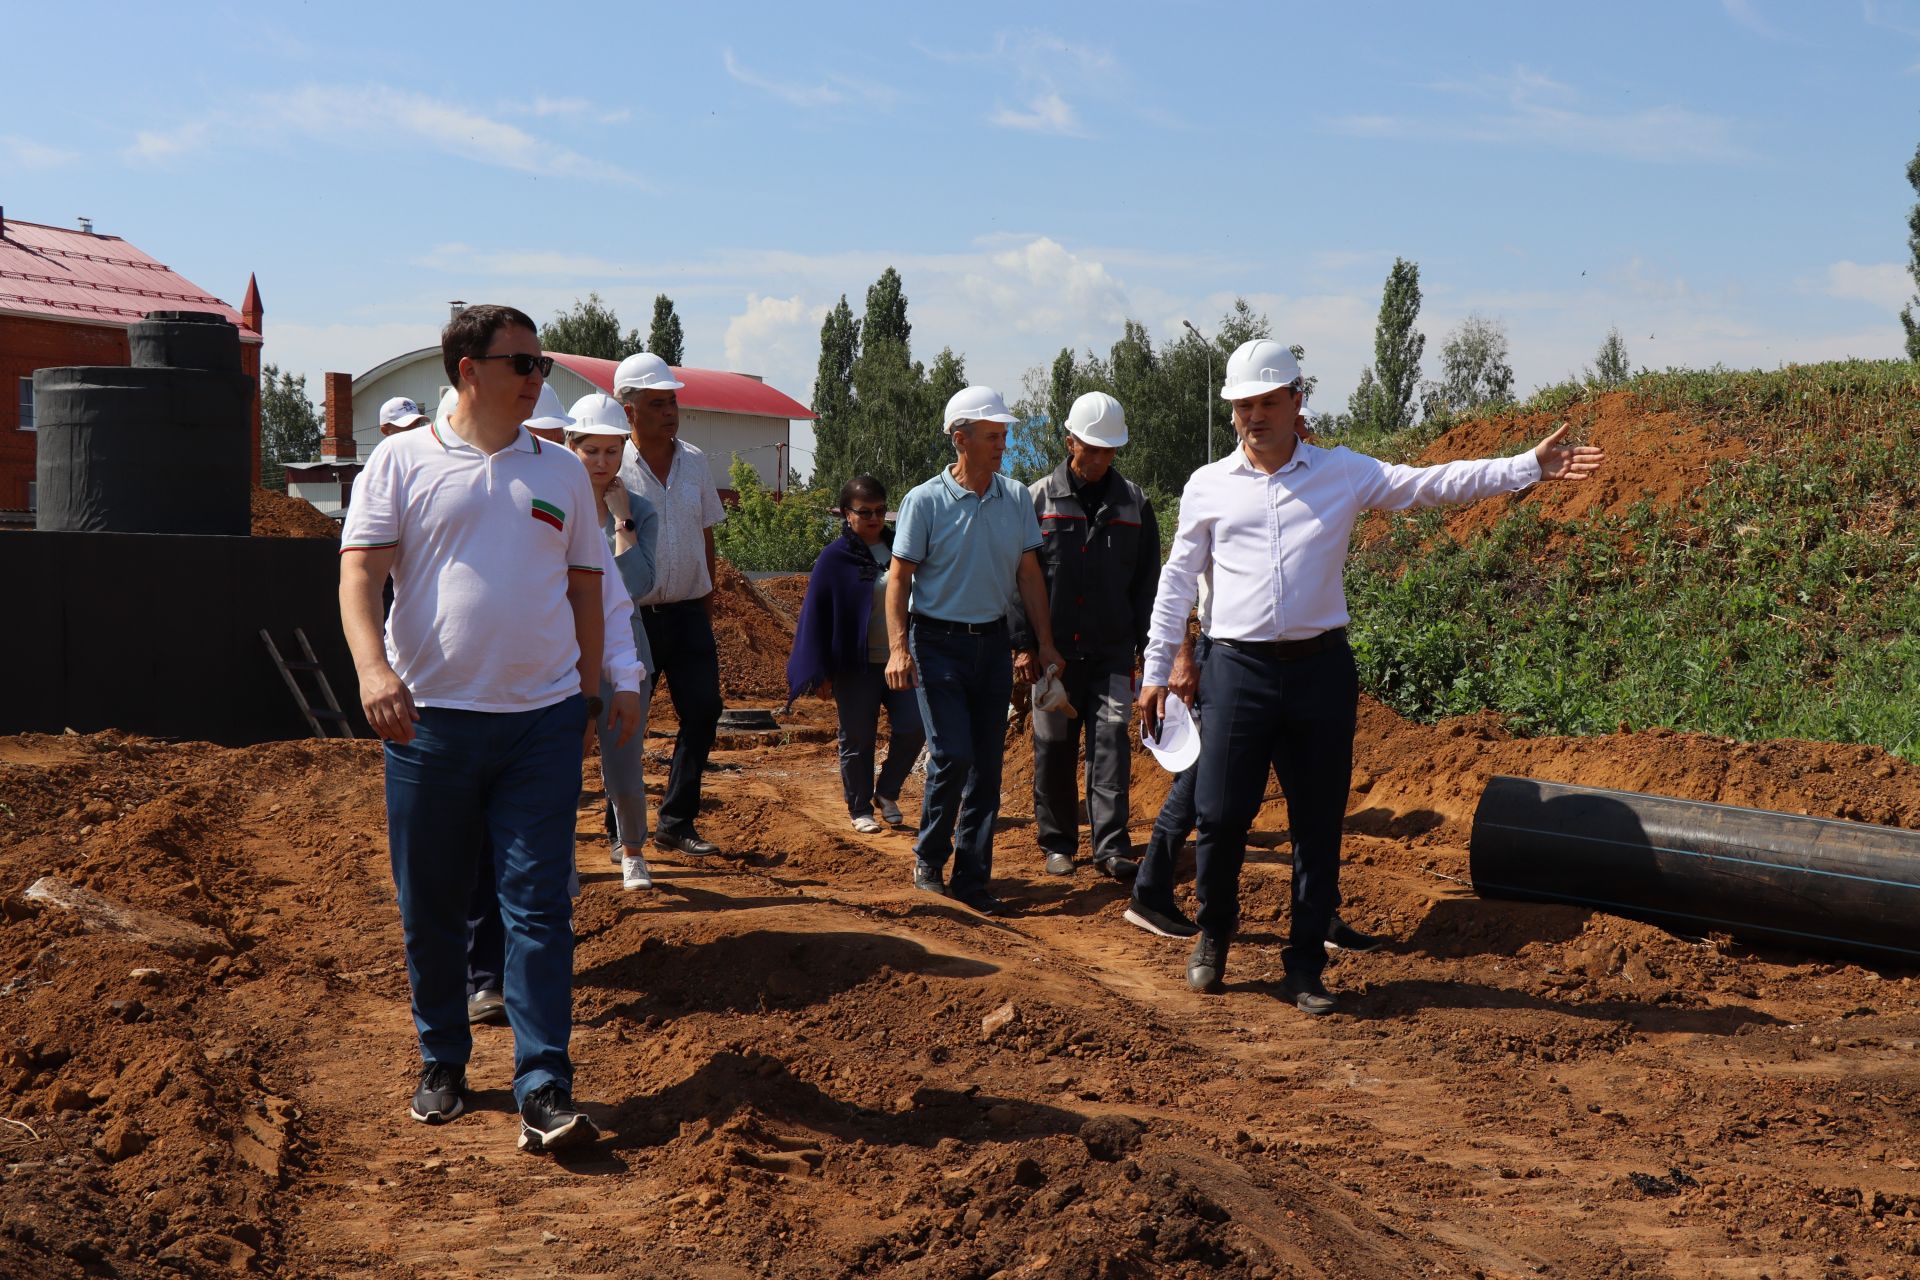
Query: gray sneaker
[[550, 1122], [442, 1094]]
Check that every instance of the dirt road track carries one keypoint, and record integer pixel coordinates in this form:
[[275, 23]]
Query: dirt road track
[[785, 1047]]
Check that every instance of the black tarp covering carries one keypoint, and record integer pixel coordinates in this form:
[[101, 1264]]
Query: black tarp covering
[[159, 635]]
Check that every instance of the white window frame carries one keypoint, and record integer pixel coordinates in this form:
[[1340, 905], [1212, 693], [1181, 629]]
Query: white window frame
[[27, 422]]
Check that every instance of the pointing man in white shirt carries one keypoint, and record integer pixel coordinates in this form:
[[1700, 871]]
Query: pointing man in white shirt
[[1272, 520]]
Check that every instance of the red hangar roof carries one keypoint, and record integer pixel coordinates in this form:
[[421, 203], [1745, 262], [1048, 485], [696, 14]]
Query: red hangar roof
[[705, 389], [93, 279]]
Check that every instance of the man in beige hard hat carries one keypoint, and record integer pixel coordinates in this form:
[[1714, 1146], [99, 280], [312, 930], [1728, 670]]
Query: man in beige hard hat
[[1100, 552], [1271, 522]]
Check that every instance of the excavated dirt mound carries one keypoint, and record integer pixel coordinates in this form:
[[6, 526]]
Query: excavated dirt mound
[[802, 1067], [1661, 458], [754, 636], [275, 515]]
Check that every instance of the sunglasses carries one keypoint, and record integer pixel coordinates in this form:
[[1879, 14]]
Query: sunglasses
[[524, 364], [870, 513]]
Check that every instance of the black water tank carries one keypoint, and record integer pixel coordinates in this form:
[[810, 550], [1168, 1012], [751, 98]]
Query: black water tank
[[184, 340], [127, 450]]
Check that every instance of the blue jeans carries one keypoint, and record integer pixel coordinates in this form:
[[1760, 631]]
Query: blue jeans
[[1296, 718], [1153, 887], [859, 694], [966, 682], [470, 782]]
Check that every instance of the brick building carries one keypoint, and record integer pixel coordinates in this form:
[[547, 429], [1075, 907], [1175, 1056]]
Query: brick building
[[66, 298]]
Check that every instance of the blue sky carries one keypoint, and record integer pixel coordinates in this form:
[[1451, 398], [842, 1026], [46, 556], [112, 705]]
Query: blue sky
[[1722, 181]]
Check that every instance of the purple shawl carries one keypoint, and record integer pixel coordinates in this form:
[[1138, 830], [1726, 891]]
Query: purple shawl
[[831, 634]]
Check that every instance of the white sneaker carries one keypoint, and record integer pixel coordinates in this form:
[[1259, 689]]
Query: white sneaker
[[890, 811], [866, 826], [634, 872]]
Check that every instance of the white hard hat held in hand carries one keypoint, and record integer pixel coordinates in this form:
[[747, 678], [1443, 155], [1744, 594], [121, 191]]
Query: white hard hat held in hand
[[1097, 418], [974, 404], [1258, 367]]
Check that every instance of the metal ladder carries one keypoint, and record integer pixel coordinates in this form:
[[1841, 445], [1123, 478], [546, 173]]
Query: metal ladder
[[318, 717]]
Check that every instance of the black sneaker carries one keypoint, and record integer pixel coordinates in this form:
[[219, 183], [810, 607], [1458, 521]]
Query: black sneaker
[[1342, 936], [1308, 993], [1118, 868], [442, 1094], [984, 902], [1059, 864], [1165, 922], [486, 1005], [550, 1122], [928, 878], [1207, 966]]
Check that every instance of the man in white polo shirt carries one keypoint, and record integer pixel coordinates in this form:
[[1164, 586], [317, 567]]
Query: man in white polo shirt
[[1269, 525], [476, 686], [673, 475]]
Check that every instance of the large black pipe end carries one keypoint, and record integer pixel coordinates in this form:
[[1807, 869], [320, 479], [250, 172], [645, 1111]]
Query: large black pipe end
[[1814, 884], [184, 340]]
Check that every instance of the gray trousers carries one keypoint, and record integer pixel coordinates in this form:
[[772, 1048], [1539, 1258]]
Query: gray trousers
[[1104, 700]]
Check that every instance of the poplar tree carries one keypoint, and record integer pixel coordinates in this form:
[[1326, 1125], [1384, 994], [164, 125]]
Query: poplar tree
[[589, 328], [1384, 400], [665, 338], [1907, 321], [833, 404]]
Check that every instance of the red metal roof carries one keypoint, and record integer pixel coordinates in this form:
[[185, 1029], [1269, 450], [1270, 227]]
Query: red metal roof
[[77, 275], [706, 388]]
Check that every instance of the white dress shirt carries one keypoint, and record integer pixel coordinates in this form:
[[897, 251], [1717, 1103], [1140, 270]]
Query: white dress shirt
[[1276, 545], [689, 505]]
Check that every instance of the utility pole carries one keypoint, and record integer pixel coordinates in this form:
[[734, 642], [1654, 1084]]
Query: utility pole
[[1212, 449], [780, 476]]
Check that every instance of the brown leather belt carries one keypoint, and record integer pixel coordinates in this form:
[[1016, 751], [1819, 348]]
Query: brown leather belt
[[1290, 650]]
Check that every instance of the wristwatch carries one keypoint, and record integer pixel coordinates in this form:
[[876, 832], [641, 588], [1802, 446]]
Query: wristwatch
[[594, 707], [627, 525]]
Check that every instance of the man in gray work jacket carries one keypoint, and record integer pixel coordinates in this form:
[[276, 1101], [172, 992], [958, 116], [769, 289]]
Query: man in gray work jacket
[[1101, 557]]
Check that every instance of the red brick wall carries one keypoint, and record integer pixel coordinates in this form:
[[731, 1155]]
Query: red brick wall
[[27, 344]]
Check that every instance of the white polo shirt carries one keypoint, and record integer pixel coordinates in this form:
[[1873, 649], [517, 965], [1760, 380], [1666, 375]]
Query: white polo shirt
[[688, 505], [483, 545], [1274, 547]]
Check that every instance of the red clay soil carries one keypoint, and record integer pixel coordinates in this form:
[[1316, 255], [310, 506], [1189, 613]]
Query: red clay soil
[[276, 515], [805, 1068], [754, 636], [1663, 458]]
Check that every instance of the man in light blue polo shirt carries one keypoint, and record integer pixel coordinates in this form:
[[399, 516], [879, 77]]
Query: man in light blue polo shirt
[[964, 540]]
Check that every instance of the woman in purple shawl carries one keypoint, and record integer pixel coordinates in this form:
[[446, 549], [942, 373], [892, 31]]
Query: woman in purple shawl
[[840, 644]]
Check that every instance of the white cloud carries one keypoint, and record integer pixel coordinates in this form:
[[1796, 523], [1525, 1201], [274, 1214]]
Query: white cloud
[[29, 154], [543, 107], [834, 91], [1048, 113], [1881, 284], [779, 339], [1533, 110], [372, 116]]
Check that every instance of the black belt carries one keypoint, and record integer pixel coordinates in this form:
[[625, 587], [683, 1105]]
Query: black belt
[[988, 628], [1289, 650], [670, 604]]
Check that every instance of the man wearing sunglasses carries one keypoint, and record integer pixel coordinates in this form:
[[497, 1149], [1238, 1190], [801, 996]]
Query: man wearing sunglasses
[[476, 684], [1270, 522]]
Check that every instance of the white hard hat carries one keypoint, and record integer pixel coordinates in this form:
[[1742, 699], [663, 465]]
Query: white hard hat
[[402, 413], [1178, 745], [449, 401], [548, 415], [1258, 367], [598, 415], [1097, 418], [644, 370], [974, 404]]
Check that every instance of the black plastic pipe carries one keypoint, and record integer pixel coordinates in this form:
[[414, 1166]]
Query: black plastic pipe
[[1816, 884]]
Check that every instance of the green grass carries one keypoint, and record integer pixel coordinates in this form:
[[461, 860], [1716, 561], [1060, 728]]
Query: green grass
[[1786, 605]]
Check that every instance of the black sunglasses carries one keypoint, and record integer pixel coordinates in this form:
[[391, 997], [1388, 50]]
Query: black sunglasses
[[870, 513], [524, 364]]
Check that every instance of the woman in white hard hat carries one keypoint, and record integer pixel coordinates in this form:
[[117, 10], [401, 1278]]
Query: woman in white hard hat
[[598, 435], [1270, 522]]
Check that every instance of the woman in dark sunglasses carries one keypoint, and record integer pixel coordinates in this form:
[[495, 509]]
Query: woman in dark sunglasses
[[840, 647]]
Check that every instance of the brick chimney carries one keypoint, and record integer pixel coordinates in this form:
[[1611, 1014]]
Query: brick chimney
[[337, 444]]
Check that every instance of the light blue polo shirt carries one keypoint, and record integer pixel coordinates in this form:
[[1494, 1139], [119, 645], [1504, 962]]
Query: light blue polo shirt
[[967, 546]]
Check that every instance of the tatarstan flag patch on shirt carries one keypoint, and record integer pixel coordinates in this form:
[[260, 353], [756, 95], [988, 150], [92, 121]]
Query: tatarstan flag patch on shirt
[[549, 514]]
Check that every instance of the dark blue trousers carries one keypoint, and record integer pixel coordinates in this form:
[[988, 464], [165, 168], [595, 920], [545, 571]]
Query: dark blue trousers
[[681, 637], [469, 782], [1296, 718], [966, 682], [858, 695], [1154, 885]]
